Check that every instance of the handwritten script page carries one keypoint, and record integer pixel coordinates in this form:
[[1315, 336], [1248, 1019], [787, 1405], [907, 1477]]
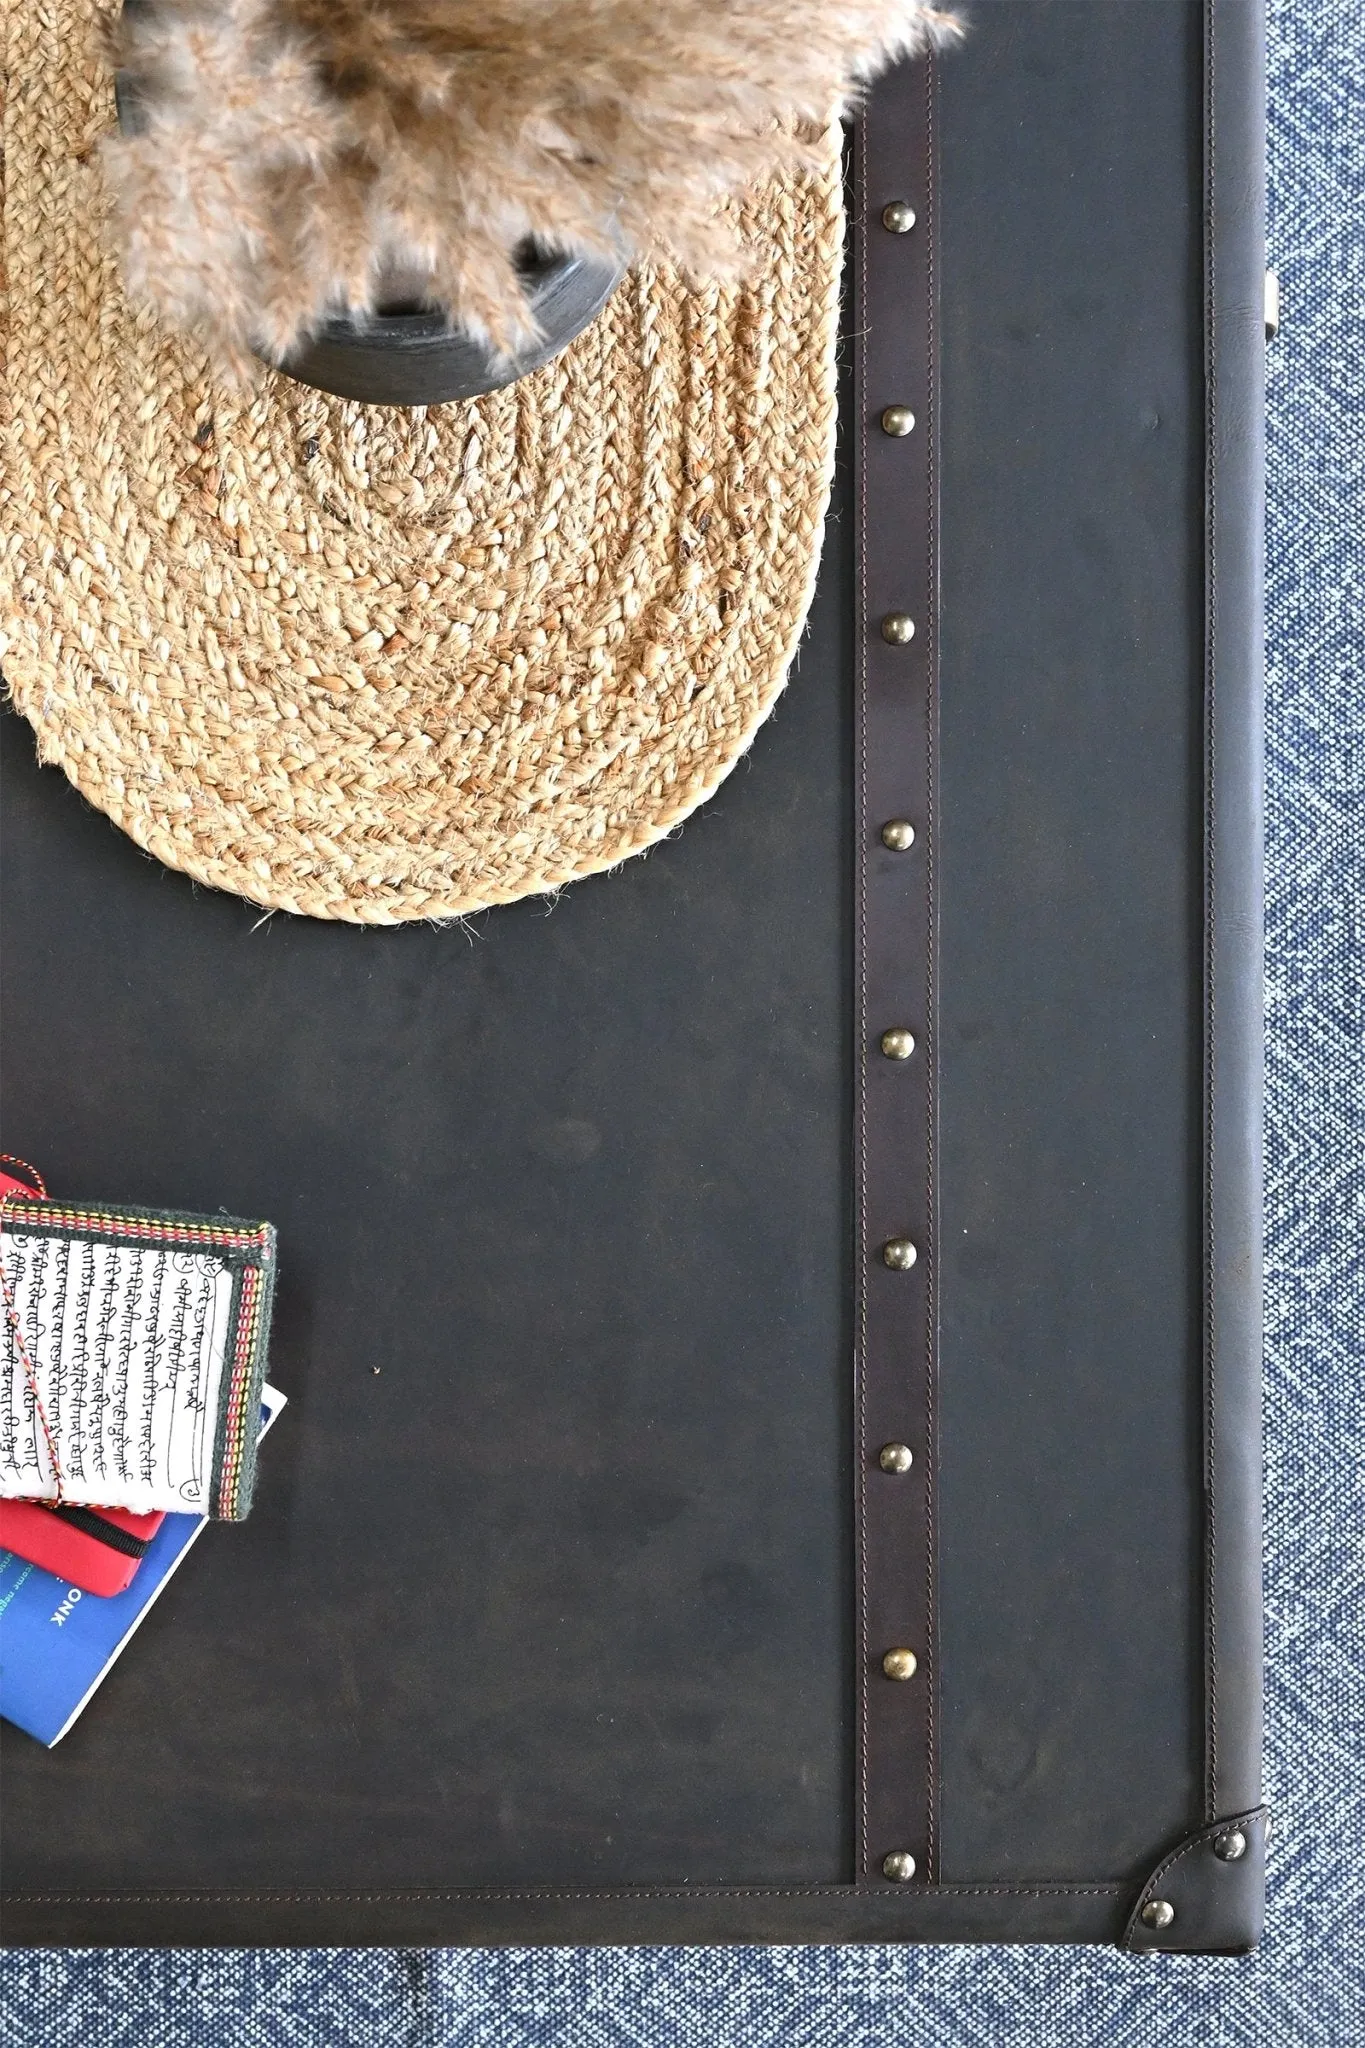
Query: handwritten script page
[[128, 1344]]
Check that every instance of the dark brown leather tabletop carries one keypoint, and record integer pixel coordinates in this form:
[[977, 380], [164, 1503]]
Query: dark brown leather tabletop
[[562, 1609]]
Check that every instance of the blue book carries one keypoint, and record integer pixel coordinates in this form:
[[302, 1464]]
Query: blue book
[[57, 1644]]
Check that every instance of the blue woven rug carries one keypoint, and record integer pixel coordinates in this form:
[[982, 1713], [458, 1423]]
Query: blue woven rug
[[1309, 1976]]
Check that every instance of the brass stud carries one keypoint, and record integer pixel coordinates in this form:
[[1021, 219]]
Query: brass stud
[[1158, 1913], [898, 629], [899, 1866], [1231, 1847], [900, 1663], [899, 217], [897, 1044], [898, 420], [898, 834], [895, 1457], [899, 1254]]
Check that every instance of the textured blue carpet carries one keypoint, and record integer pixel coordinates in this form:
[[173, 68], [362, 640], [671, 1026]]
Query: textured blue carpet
[[1309, 1977]]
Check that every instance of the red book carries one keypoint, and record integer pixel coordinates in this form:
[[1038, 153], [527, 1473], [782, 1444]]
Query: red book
[[97, 1549]]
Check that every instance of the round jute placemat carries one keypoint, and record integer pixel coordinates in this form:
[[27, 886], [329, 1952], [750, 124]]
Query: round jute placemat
[[373, 664]]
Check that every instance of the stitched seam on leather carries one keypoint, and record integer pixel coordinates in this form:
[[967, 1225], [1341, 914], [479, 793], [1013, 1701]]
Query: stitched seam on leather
[[622, 1893], [1211, 960], [862, 1254], [930, 991]]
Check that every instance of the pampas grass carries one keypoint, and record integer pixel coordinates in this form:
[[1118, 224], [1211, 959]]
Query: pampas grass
[[292, 154]]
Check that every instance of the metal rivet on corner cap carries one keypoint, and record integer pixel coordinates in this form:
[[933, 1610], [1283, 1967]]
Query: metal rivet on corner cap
[[900, 1664], [898, 421], [1231, 1847], [895, 1457], [899, 1866], [899, 216], [897, 1044], [899, 1254], [1158, 1913], [898, 628], [898, 834]]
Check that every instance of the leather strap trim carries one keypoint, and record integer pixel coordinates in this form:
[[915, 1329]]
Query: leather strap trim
[[894, 1119], [1234, 501]]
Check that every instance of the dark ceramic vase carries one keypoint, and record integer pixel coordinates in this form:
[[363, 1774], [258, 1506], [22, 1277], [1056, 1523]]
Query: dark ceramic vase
[[408, 353]]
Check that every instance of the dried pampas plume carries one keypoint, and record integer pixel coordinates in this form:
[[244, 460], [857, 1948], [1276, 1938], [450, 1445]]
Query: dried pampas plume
[[291, 154]]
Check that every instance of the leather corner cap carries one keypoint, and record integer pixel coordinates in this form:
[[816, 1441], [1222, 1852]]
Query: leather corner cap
[[1206, 1897]]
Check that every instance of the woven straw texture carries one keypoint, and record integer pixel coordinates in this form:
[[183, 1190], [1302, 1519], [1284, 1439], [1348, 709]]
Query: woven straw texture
[[377, 664]]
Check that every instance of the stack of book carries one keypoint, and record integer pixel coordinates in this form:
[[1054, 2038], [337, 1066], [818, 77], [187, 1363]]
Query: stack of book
[[71, 1597], [132, 1399]]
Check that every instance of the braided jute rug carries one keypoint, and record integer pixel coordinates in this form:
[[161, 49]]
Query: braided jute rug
[[376, 664]]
